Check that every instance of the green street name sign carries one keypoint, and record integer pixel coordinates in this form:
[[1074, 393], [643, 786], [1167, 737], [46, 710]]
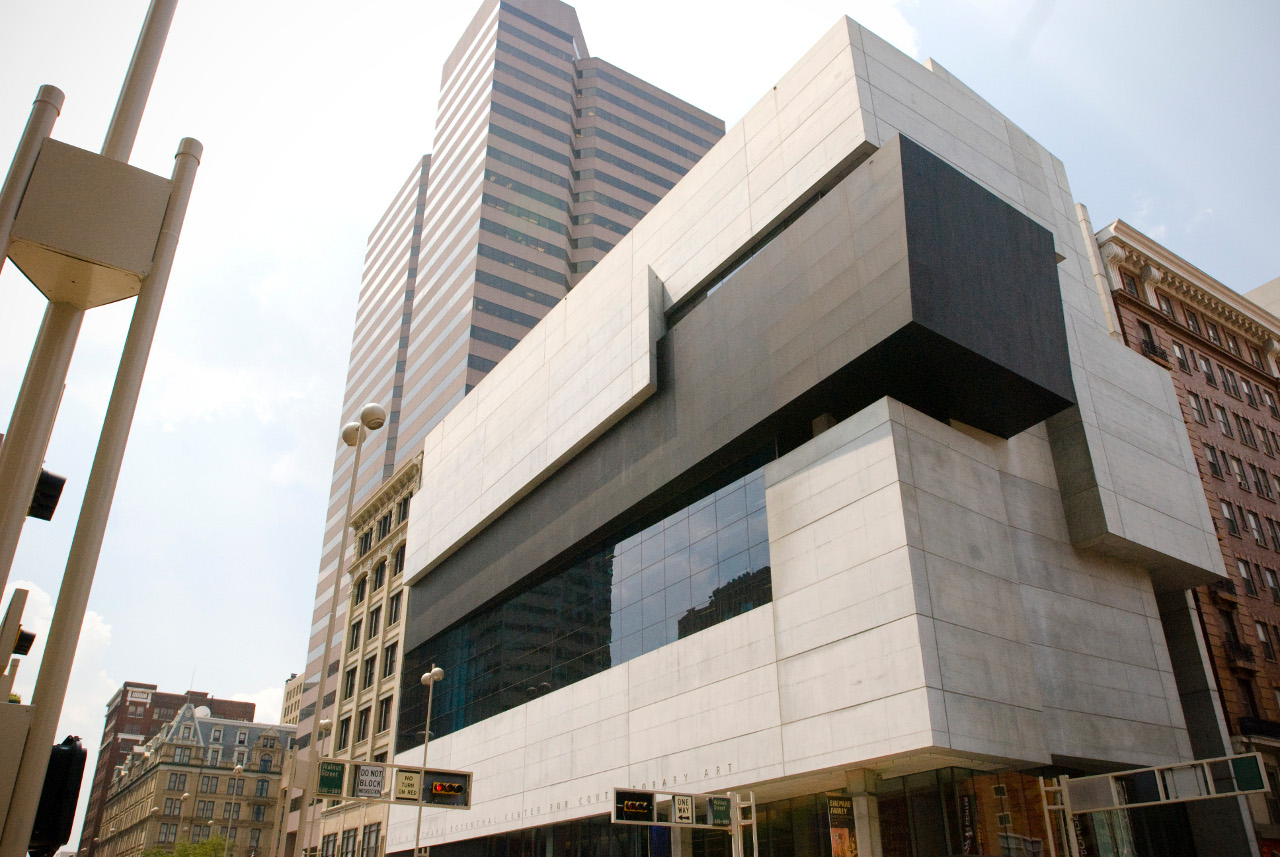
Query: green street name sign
[[331, 776]]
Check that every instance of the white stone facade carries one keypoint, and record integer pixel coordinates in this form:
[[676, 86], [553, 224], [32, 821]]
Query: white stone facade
[[941, 596]]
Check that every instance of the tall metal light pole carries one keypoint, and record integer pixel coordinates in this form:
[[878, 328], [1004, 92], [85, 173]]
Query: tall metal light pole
[[428, 680], [372, 417]]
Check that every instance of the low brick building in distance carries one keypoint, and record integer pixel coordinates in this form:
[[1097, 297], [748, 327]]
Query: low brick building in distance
[[199, 777], [135, 713]]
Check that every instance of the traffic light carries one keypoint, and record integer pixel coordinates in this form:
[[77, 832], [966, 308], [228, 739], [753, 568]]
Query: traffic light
[[45, 498], [58, 799]]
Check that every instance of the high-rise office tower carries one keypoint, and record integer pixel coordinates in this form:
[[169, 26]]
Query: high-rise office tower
[[544, 158]]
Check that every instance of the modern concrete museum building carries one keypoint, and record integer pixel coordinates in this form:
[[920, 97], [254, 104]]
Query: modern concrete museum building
[[830, 478]]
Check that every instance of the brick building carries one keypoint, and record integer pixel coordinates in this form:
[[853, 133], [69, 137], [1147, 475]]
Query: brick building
[[1220, 350], [135, 713]]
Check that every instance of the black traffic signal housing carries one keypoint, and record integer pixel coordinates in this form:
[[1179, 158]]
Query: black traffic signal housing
[[58, 799], [45, 498]]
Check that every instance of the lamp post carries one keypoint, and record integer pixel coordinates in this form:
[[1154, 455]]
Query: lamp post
[[428, 680], [372, 417]]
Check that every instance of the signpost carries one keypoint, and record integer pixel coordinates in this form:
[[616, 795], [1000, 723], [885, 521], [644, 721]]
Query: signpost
[[330, 778], [368, 780], [380, 782], [729, 813]]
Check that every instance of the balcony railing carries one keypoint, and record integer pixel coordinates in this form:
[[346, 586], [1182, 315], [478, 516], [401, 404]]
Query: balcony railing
[[1238, 651], [1150, 349]]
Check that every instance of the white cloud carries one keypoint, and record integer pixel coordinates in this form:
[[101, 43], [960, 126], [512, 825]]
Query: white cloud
[[886, 20], [89, 688], [269, 701]]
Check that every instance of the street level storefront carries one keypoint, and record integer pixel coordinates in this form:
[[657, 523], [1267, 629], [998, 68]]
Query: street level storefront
[[952, 811]]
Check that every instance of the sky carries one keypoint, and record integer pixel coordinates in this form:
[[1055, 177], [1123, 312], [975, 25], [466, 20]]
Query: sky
[[312, 114]]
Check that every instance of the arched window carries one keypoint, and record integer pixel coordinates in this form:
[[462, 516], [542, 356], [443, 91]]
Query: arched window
[[379, 574], [264, 764], [357, 591], [397, 565]]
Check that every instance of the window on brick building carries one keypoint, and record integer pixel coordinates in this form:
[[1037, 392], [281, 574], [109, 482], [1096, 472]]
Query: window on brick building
[[1246, 431], [1219, 412], [1180, 353], [1229, 385], [1211, 330], [1270, 400], [1246, 576], [1255, 528], [1166, 305], [1247, 389], [1233, 344], [1229, 517], [1193, 321], [1237, 470], [1255, 357], [1268, 650], [1197, 408], [1261, 482], [1206, 366], [1128, 283], [1211, 456]]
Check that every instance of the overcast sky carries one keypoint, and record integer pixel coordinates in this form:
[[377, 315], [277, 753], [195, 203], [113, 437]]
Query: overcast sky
[[313, 113]]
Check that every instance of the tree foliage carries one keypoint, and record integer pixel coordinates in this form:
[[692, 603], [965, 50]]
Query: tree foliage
[[212, 847]]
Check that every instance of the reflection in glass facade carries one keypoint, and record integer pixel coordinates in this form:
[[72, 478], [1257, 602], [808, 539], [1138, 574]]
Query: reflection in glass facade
[[704, 564]]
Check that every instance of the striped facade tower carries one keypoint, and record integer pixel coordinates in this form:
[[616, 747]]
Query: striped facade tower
[[544, 158]]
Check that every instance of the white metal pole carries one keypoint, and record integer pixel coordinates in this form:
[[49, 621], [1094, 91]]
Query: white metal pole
[[44, 112], [429, 680], [73, 596], [22, 452], [333, 617], [37, 405], [118, 144]]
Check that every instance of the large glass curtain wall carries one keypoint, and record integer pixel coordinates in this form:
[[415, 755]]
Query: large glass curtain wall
[[703, 564]]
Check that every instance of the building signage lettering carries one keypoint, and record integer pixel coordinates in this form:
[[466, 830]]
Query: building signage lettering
[[682, 809], [840, 817], [408, 785], [368, 781]]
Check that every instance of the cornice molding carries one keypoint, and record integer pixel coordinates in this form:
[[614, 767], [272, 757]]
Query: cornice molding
[[407, 477], [1155, 266]]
